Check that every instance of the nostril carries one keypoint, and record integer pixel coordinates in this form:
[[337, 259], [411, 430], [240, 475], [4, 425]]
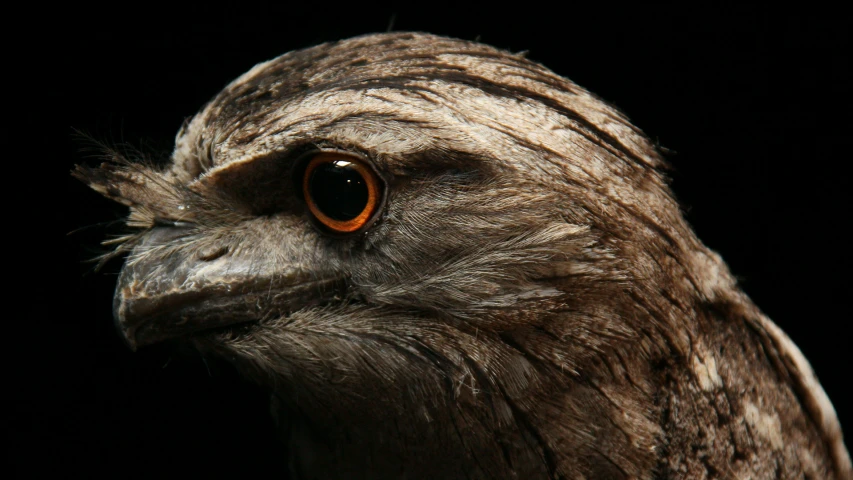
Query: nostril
[[211, 252]]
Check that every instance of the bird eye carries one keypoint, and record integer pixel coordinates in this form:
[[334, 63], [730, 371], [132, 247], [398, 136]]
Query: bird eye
[[342, 192]]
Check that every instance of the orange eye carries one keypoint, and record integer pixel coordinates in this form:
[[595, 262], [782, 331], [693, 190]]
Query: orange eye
[[342, 191]]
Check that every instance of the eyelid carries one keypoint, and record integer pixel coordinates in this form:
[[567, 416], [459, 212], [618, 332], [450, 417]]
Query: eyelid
[[302, 155]]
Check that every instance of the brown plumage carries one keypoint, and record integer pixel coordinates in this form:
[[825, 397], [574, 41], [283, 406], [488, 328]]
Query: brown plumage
[[527, 302]]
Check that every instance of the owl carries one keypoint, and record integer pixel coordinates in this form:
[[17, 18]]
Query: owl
[[445, 261]]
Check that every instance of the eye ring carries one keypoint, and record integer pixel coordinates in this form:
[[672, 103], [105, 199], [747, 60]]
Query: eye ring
[[342, 192]]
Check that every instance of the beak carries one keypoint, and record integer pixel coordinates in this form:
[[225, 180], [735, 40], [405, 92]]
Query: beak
[[166, 290]]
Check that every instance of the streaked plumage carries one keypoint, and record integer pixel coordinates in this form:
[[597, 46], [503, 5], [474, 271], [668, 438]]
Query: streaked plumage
[[529, 303]]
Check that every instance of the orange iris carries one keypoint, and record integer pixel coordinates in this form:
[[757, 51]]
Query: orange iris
[[342, 191]]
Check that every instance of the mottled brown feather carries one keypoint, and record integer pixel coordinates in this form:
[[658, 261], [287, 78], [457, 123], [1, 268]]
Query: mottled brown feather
[[530, 304]]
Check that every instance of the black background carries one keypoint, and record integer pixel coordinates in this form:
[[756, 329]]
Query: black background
[[754, 103]]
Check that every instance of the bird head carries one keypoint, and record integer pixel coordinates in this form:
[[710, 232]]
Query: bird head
[[409, 226]]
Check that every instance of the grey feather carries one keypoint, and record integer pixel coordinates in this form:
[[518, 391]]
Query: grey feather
[[530, 302]]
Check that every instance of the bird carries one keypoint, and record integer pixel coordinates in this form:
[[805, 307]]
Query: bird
[[444, 260]]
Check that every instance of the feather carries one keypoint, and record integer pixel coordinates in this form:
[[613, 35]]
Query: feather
[[527, 302]]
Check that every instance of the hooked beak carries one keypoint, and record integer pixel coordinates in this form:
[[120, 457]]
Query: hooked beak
[[162, 296]]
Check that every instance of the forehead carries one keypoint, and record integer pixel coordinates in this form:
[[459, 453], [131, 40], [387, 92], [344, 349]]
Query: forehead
[[395, 95]]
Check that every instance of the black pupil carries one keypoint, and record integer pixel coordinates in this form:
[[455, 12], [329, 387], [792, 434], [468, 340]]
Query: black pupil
[[338, 190]]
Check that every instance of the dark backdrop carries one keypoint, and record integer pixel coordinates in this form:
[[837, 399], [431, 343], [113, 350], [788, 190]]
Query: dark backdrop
[[753, 104]]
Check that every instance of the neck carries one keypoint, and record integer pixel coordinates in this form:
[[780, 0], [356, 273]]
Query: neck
[[600, 422]]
